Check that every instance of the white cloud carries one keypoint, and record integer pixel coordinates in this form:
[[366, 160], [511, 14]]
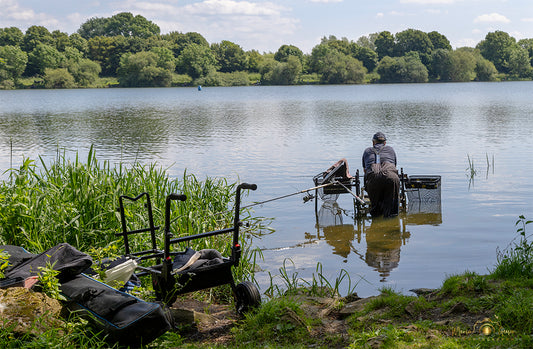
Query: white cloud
[[246, 23], [429, 2], [13, 14], [467, 42], [397, 13], [491, 18], [230, 7], [327, 1], [530, 19]]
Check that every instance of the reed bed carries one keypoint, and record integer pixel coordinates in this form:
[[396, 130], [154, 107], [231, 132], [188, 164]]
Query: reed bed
[[76, 202]]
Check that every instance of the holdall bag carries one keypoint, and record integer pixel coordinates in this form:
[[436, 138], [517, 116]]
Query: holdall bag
[[125, 318]]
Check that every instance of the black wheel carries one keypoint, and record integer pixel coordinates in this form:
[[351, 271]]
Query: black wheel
[[246, 297]]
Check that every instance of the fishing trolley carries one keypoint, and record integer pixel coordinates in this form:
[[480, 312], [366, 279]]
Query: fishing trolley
[[176, 273]]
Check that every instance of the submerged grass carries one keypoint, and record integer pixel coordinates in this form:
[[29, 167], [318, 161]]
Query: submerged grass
[[319, 284]]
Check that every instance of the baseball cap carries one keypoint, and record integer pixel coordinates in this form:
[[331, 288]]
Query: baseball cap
[[379, 136]]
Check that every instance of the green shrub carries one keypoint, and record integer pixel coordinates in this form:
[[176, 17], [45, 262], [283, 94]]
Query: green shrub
[[58, 78]]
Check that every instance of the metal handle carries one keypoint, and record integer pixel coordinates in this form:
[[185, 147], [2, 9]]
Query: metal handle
[[248, 186], [174, 196]]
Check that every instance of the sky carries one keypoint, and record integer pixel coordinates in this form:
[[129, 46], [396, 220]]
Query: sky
[[265, 25]]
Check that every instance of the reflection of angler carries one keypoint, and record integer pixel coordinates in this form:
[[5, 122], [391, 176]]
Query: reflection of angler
[[384, 239]]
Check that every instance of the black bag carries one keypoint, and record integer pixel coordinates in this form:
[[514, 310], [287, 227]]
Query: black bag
[[63, 258], [126, 319]]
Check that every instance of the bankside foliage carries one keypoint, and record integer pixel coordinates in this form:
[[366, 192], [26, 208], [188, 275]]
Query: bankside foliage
[[132, 50]]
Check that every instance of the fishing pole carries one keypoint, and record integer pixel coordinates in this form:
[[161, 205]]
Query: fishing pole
[[288, 195]]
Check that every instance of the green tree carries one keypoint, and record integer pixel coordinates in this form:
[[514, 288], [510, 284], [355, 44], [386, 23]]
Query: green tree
[[412, 40], [72, 54], [79, 43], [165, 58], [342, 45], [61, 40], [196, 61], [58, 78], [413, 70], [463, 65], [43, 57], [12, 63], [439, 41], [519, 63], [36, 35], [93, 27], [179, 41], [441, 64], [107, 51], [342, 69], [384, 44], [389, 70], [123, 24], [485, 69], [408, 68], [527, 44], [126, 24], [84, 71], [141, 70], [230, 57], [285, 51], [497, 47], [368, 57], [282, 73], [11, 36], [317, 60], [104, 51], [368, 41], [255, 60]]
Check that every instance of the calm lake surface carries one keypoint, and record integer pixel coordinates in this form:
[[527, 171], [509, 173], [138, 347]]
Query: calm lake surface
[[280, 137]]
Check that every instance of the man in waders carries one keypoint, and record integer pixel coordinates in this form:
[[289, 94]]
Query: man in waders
[[381, 177]]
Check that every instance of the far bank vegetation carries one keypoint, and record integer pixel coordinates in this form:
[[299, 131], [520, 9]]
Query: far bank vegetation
[[129, 51]]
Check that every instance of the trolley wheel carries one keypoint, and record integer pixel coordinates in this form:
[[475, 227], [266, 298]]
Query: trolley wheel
[[246, 297]]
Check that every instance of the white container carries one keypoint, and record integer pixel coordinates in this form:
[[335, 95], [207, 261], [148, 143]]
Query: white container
[[121, 273]]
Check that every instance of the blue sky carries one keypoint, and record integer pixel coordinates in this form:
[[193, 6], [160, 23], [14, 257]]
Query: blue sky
[[265, 25]]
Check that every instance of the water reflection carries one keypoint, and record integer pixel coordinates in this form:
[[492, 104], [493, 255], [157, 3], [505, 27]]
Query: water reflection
[[376, 241], [384, 239]]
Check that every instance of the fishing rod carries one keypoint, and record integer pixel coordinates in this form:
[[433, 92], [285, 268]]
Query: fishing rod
[[307, 198], [310, 196]]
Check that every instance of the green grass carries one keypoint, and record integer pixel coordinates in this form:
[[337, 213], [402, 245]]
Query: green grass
[[76, 202], [276, 322], [42, 205], [516, 261]]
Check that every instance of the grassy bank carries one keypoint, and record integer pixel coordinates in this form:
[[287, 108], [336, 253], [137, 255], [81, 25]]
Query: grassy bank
[[468, 311], [76, 201]]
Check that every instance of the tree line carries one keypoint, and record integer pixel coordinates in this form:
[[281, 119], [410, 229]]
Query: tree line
[[131, 50]]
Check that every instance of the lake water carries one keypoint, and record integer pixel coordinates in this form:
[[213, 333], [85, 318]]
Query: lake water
[[280, 137]]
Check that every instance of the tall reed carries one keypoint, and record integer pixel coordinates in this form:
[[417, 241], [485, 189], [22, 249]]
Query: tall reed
[[76, 202]]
